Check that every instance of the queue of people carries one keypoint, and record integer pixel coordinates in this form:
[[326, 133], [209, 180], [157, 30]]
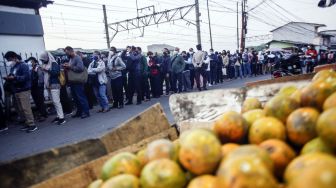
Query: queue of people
[[117, 78]]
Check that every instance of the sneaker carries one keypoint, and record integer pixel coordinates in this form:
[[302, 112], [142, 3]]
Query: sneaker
[[85, 116], [138, 103], [24, 128], [31, 129], [61, 121], [55, 120], [3, 129]]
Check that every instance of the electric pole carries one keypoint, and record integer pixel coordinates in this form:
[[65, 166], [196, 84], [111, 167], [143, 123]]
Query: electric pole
[[198, 26], [244, 24], [237, 26], [106, 28], [209, 24]]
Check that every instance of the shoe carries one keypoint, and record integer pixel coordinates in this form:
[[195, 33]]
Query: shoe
[[199, 89], [24, 128], [61, 121], [3, 129], [209, 85], [100, 111], [129, 103], [121, 106], [31, 129], [138, 103], [85, 116], [106, 110], [41, 119], [205, 89], [66, 114], [55, 120], [76, 116]]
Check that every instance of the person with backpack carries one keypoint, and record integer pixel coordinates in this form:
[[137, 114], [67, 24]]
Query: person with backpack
[[98, 80], [116, 66], [52, 83]]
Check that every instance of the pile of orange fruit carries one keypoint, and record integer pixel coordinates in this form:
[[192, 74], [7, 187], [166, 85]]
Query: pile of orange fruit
[[290, 141]]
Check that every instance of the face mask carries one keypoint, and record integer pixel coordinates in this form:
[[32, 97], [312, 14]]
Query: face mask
[[69, 56], [112, 53], [11, 63], [165, 53], [95, 58], [176, 52]]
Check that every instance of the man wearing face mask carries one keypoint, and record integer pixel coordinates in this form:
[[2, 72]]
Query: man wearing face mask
[[178, 66], [135, 76], [20, 77], [116, 66], [165, 64], [213, 67], [76, 65], [98, 80], [37, 88]]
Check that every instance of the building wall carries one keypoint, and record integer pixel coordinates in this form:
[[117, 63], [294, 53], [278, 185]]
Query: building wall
[[22, 45], [298, 32]]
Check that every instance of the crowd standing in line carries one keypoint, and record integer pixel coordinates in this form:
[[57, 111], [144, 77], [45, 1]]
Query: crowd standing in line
[[116, 77]]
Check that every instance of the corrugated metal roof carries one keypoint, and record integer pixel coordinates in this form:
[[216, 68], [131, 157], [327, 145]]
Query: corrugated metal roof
[[314, 24]]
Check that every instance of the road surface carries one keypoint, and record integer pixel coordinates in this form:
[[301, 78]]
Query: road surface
[[17, 144]]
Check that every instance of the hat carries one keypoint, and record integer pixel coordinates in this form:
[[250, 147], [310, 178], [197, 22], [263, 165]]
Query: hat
[[31, 59], [44, 56], [11, 54]]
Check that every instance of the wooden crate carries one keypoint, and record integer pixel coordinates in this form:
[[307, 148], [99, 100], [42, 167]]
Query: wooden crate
[[83, 175], [37, 168]]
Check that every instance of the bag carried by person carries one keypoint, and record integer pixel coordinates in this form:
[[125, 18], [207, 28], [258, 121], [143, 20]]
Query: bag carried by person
[[78, 77], [237, 63], [62, 79]]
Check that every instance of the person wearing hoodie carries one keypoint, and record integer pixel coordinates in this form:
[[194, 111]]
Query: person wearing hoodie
[[37, 88], [21, 80], [98, 80], [178, 66], [52, 83], [116, 66]]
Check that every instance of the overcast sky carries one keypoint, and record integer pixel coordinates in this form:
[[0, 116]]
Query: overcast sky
[[68, 22]]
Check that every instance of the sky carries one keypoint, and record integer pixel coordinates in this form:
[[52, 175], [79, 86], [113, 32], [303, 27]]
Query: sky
[[79, 23]]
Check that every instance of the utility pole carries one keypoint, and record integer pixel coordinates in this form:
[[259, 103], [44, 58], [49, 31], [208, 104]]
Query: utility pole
[[244, 24], [198, 26], [209, 24], [137, 7], [106, 28], [237, 26]]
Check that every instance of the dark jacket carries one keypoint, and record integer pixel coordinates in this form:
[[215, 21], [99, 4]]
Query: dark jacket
[[137, 65], [54, 73], [165, 63], [22, 79], [153, 66], [178, 64], [37, 77]]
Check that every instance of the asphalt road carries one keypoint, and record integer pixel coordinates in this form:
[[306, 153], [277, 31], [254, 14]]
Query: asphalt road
[[17, 144]]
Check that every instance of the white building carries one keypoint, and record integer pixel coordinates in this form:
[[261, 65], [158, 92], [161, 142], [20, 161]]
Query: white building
[[21, 27], [299, 34]]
